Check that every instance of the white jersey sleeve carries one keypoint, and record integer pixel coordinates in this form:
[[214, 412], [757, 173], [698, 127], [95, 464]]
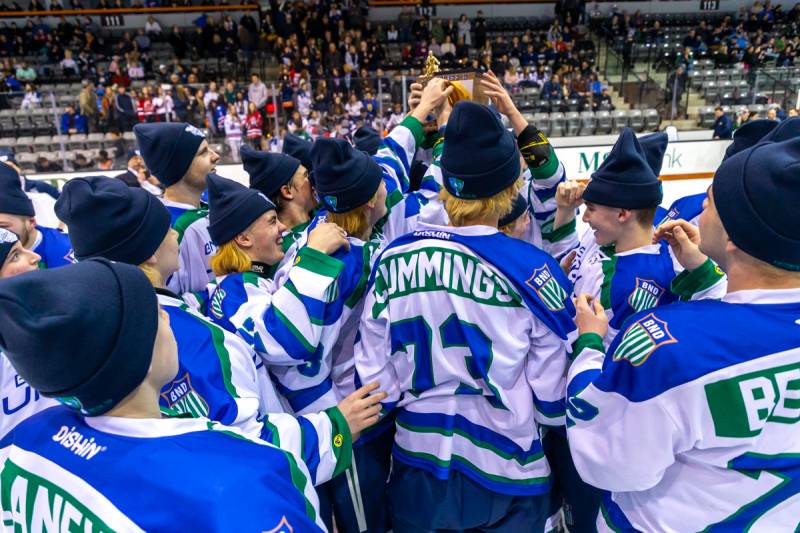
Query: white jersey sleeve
[[194, 252]]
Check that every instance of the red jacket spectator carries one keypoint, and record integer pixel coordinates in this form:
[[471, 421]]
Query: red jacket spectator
[[254, 123]]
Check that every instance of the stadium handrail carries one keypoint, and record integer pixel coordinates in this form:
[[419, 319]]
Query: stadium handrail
[[126, 11]]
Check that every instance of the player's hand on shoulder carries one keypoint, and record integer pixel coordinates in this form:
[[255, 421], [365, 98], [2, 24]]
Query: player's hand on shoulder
[[328, 237], [362, 409], [684, 239], [590, 317]]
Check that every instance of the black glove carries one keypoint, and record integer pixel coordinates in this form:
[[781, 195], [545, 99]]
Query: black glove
[[536, 150]]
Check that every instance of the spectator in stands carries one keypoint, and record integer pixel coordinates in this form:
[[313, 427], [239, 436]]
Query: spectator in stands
[[604, 101], [552, 89], [81, 162], [103, 161], [152, 28], [72, 122], [32, 98], [723, 125], [465, 31], [233, 132], [772, 114], [44, 165], [87, 104], [135, 70], [676, 85], [253, 124], [792, 111], [125, 109], [68, 65], [25, 72], [134, 174]]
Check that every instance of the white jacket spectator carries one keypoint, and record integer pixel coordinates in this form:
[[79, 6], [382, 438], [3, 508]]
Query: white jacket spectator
[[152, 27]]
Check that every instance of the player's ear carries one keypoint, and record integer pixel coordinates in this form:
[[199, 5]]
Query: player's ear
[[244, 240], [623, 215]]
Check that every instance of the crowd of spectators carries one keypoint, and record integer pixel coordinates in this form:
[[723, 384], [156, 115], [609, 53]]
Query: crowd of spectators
[[747, 40], [335, 69], [61, 5]]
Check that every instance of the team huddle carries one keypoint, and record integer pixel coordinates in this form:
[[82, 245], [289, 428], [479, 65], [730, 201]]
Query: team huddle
[[344, 346]]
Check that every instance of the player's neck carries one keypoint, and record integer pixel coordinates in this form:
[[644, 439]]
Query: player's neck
[[743, 277], [634, 237], [491, 221], [141, 403], [32, 236], [293, 215], [183, 194]]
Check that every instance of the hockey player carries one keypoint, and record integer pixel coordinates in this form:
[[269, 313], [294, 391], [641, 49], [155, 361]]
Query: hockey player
[[42, 194], [218, 377], [617, 261], [690, 207], [286, 182], [92, 335], [469, 390], [515, 223], [690, 421], [19, 400], [17, 215], [552, 227], [243, 299], [180, 157]]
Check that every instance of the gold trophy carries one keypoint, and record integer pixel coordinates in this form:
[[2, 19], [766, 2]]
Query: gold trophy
[[465, 82]]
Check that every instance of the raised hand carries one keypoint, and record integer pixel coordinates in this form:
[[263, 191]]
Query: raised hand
[[684, 239]]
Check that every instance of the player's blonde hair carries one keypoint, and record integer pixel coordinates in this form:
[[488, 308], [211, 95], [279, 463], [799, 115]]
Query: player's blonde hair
[[229, 259], [156, 280], [356, 221], [461, 211]]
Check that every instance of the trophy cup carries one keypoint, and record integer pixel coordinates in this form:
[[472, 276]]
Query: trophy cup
[[465, 82]]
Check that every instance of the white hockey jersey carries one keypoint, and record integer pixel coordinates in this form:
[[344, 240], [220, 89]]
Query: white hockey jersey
[[19, 400], [221, 378], [195, 248], [467, 330], [691, 420], [639, 279]]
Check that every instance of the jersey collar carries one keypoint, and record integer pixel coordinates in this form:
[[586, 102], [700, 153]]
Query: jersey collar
[[473, 231], [146, 427], [763, 296]]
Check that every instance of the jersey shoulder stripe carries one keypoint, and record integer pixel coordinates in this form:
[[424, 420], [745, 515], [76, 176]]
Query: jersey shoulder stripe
[[668, 346]]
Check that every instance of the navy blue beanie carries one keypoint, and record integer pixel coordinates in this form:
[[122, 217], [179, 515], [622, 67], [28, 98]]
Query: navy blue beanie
[[268, 171], [654, 146], [480, 157], [345, 178], [367, 140], [299, 148], [518, 207], [625, 179], [7, 240], [83, 333], [106, 218], [13, 200], [232, 207], [168, 149], [756, 193], [748, 134]]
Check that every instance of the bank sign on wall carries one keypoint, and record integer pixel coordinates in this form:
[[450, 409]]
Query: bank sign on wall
[[688, 159]]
